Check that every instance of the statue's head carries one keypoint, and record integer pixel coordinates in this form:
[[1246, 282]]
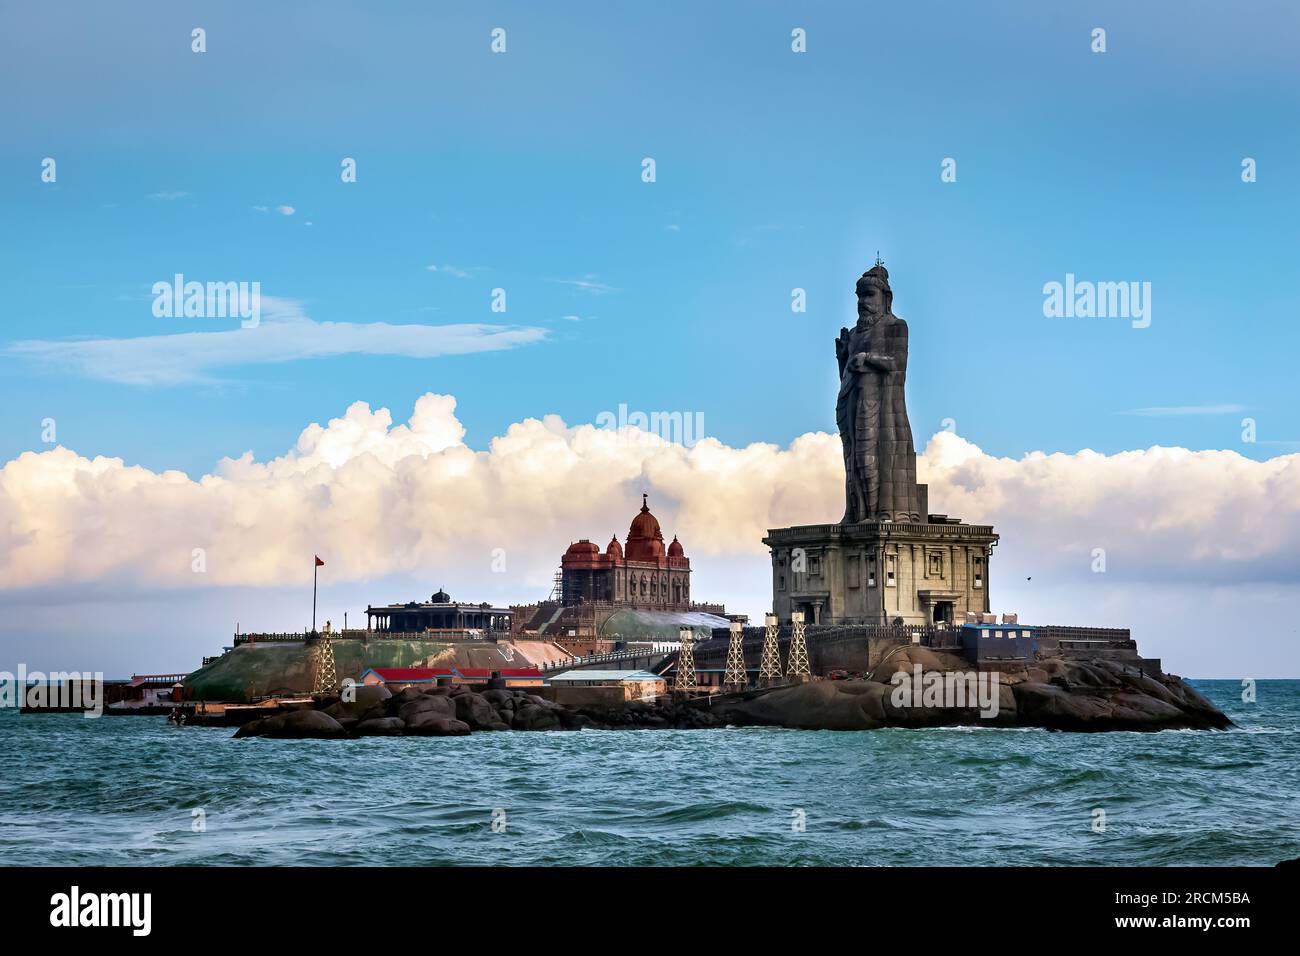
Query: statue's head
[[875, 298]]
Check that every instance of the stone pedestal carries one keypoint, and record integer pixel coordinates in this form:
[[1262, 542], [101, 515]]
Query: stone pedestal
[[876, 572]]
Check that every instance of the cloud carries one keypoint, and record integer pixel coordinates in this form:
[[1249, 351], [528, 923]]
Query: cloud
[[285, 210], [571, 318], [374, 499], [167, 196], [1173, 410], [587, 283], [285, 334], [449, 270]]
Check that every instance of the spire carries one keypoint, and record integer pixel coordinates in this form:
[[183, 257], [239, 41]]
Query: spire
[[645, 501]]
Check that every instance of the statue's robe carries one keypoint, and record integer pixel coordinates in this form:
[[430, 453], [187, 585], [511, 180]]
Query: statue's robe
[[879, 457]]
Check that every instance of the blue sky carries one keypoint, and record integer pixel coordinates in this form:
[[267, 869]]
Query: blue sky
[[774, 171]]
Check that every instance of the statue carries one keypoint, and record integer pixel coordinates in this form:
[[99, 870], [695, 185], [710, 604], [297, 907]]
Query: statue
[[879, 458]]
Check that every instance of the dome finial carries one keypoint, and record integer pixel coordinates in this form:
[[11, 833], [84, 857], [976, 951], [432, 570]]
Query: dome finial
[[645, 501]]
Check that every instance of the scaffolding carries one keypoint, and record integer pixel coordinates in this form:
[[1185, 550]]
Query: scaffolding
[[769, 665], [326, 675], [798, 663], [684, 675], [736, 678]]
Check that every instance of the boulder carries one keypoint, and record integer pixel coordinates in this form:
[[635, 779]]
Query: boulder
[[301, 724], [430, 724], [408, 694], [427, 704], [365, 699], [380, 727], [534, 717], [474, 710]]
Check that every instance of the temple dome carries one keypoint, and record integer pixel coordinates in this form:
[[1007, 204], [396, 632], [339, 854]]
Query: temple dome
[[614, 549], [441, 597], [645, 542], [583, 547], [675, 549]]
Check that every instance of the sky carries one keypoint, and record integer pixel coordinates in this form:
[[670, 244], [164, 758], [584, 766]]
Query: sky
[[523, 171]]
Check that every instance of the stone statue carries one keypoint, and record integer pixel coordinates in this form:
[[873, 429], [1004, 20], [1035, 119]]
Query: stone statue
[[879, 458]]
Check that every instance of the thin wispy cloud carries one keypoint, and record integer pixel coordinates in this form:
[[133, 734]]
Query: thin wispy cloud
[[1173, 410], [285, 210], [167, 196], [587, 283], [449, 270], [285, 334]]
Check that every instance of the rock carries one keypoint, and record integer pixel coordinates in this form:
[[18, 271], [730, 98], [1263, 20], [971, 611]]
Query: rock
[[497, 697], [366, 698], [427, 704], [534, 717], [300, 724], [429, 724], [474, 710], [380, 727], [408, 694]]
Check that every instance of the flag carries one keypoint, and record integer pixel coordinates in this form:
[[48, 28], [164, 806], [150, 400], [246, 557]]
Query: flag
[[319, 562]]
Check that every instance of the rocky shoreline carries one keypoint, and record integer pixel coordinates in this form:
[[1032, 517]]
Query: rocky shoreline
[[1055, 694], [458, 711]]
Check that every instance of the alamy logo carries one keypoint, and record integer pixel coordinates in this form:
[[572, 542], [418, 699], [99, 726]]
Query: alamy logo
[[75, 908], [57, 690], [952, 689], [1102, 300], [212, 300], [678, 428]]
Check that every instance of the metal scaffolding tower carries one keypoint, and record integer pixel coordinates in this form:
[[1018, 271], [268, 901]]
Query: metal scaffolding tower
[[769, 666], [736, 677], [798, 663], [326, 676], [684, 675]]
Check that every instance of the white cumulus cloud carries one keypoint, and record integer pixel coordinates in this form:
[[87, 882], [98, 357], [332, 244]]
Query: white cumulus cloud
[[375, 498]]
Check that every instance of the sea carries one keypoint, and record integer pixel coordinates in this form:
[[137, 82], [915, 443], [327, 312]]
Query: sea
[[138, 791]]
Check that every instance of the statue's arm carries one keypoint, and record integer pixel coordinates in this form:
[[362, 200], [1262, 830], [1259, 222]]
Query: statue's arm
[[842, 350], [895, 360]]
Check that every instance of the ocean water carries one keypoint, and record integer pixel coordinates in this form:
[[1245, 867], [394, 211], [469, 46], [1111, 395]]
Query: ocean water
[[124, 791]]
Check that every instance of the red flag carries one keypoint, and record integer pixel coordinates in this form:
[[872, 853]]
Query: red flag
[[319, 562]]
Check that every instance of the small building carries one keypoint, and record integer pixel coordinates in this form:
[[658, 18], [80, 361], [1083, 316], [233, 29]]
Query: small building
[[441, 618], [604, 688], [999, 642], [399, 678]]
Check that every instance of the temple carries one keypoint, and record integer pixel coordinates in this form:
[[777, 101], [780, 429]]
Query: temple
[[641, 574], [440, 616], [635, 591], [888, 560]]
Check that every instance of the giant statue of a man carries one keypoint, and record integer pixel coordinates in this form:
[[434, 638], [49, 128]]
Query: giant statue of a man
[[879, 458]]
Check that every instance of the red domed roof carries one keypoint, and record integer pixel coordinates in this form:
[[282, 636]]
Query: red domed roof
[[614, 549], [675, 549], [583, 547], [645, 542]]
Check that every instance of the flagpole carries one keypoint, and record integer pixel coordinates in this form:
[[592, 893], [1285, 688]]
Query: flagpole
[[314, 566]]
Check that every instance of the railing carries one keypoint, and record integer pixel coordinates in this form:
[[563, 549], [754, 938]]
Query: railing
[[608, 657], [353, 634], [884, 528]]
